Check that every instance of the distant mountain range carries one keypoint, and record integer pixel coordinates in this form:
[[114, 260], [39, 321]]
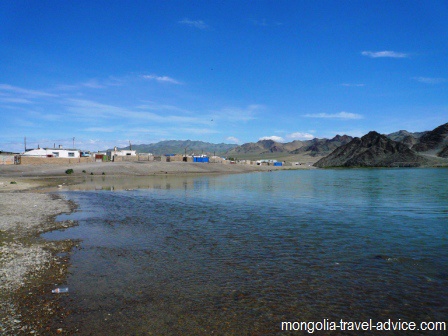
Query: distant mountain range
[[401, 148], [182, 146], [314, 147], [371, 150]]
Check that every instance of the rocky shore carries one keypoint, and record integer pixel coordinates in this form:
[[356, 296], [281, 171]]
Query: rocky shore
[[30, 267]]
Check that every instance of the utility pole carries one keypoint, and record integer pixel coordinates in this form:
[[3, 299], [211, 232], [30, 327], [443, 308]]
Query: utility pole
[[73, 142], [25, 144]]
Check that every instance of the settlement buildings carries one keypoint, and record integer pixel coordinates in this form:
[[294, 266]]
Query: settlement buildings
[[53, 152]]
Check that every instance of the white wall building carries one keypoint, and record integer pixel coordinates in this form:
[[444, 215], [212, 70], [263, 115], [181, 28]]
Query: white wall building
[[121, 152], [53, 152]]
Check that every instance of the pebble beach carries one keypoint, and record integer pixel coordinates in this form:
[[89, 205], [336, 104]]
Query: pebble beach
[[30, 267]]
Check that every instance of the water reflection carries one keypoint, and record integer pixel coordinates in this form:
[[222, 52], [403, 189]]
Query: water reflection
[[239, 254]]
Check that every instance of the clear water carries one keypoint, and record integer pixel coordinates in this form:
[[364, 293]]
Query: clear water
[[239, 254]]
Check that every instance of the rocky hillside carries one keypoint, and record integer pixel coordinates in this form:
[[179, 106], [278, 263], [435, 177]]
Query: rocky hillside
[[179, 147], [323, 146], [444, 152], [408, 138], [435, 140], [260, 147], [372, 150], [312, 147]]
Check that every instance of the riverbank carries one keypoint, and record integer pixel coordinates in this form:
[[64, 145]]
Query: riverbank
[[134, 169], [30, 267]]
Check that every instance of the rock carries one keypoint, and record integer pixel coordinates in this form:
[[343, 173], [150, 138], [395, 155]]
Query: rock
[[444, 152], [372, 150], [435, 139]]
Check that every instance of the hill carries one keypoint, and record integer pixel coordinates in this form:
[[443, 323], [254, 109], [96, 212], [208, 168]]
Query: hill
[[323, 146], [408, 138], [372, 150], [180, 146], [435, 140], [267, 148]]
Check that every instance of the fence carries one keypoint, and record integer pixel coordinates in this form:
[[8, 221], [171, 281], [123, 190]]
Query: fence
[[6, 159], [34, 160]]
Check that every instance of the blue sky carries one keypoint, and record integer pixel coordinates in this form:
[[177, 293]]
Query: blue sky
[[110, 72]]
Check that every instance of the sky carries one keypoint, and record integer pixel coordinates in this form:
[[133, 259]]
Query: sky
[[98, 74]]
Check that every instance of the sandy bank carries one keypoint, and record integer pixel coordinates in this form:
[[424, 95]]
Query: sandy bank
[[134, 169]]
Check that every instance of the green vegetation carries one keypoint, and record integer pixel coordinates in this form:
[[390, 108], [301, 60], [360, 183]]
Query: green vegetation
[[13, 182], [69, 171], [84, 171]]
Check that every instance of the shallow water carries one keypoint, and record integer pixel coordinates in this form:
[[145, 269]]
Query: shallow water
[[239, 254]]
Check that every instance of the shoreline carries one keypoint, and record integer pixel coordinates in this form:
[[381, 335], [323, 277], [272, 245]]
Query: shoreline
[[30, 266]]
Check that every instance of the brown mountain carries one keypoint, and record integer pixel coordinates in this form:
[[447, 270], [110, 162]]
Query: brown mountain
[[312, 147], [444, 152], [260, 147], [323, 146], [436, 140], [408, 138], [372, 150]]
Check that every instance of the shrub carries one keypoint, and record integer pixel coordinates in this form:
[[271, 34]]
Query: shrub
[[84, 171], [91, 173], [103, 173], [69, 171], [13, 182]]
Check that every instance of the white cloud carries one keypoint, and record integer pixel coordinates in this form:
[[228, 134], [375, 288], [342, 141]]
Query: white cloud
[[100, 129], [264, 23], [353, 85], [300, 136], [194, 23], [16, 100], [385, 53], [233, 139], [340, 115], [92, 111], [234, 114], [430, 80], [163, 79], [25, 92], [273, 138]]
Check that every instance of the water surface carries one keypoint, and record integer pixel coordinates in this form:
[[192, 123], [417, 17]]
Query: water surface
[[239, 254]]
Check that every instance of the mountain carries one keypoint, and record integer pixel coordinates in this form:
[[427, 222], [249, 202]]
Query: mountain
[[323, 146], [444, 152], [180, 146], [408, 138], [260, 147], [436, 140], [314, 147], [372, 150]]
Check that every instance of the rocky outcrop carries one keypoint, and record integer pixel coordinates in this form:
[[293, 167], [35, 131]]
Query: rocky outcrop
[[312, 147], [433, 140], [260, 147], [444, 152], [372, 150], [323, 146]]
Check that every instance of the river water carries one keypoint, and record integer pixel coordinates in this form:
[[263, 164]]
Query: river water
[[239, 254]]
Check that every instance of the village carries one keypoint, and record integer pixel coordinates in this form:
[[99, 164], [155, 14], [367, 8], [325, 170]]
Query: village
[[60, 155]]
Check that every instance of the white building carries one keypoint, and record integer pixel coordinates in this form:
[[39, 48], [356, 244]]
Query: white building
[[121, 152], [53, 152]]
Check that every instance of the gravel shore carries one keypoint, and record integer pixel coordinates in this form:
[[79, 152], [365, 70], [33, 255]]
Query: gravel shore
[[143, 168], [30, 267]]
